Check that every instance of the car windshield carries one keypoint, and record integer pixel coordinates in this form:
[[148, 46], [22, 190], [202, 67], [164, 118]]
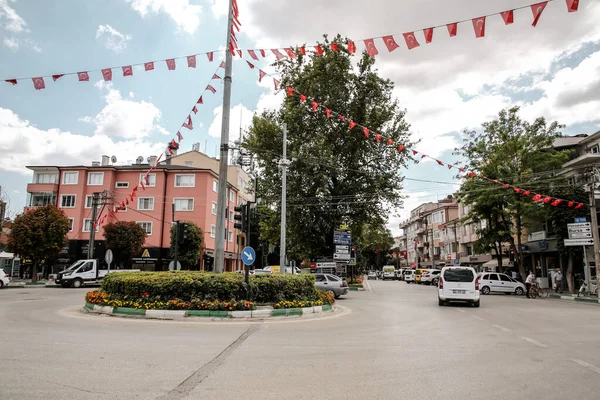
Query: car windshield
[[458, 275], [75, 265]]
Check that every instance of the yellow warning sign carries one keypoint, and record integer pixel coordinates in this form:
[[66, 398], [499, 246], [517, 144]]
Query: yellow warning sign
[[146, 253]]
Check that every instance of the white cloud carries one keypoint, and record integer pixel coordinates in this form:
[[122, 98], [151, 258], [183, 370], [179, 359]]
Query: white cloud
[[112, 38], [220, 8], [125, 118], [184, 14], [9, 19], [12, 43]]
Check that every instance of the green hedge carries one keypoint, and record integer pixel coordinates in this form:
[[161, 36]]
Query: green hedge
[[187, 285]]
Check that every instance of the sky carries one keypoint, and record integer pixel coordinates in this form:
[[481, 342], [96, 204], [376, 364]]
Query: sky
[[451, 84]]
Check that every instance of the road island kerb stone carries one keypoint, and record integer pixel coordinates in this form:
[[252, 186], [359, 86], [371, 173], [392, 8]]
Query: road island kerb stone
[[573, 298], [261, 313]]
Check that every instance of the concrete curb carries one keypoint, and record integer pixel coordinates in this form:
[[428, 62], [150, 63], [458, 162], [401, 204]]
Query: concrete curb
[[181, 314], [29, 285], [573, 298]]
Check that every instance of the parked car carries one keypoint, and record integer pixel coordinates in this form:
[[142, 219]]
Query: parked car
[[372, 275], [460, 284], [418, 274], [389, 272], [288, 270], [429, 275], [496, 282], [409, 276], [331, 283], [4, 279], [399, 274]]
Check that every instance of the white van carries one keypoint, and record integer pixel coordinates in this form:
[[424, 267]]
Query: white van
[[84, 272], [409, 275], [458, 283], [389, 272]]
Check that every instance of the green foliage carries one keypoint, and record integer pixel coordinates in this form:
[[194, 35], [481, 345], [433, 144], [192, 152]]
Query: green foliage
[[335, 174], [188, 252], [39, 234], [374, 243], [125, 239], [187, 285]]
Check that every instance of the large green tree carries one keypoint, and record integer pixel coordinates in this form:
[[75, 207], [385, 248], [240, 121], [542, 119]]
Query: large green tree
[[521, 153], [125, 239], [39, 234], [188, 251], [336, 174]]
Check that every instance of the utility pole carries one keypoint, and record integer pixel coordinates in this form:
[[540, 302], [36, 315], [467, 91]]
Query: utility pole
[[177, 238], [595, 233], [283, 164], [95, 199], [223, 161]]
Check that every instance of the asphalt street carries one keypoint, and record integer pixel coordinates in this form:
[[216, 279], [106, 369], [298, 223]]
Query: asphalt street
[[391, 342]]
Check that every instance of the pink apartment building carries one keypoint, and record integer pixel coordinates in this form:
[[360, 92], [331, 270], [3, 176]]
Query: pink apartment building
[[192, 190]]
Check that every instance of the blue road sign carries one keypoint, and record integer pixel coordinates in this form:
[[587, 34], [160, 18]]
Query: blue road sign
[[248, 255], [456, 262], [580, 219]]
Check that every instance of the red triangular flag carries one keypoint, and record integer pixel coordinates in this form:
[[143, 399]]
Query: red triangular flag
[[400, 148], [276, 83], [439, 162], [200, 101], [390, 43], [449, 166], [261, 74], [390, 142], [239, 51], [215, 76], [341, 117], [191, 61], [479, 26], [210, 56], [572, 5], [290, 91], [378, 137], [351, 47], [13, 81], [127, 70], [365, 131], [371, 49], [526, 193], [149, 66], [290, 52], [277, 54], [537, 10], [212, 89], [57, 77], [319, 50], [415, 152], [472, 174], [556, 202], [334, 47], [578, 206], [195, 110], [171, 64], [505, 185], [83, 76], [452, 28], [428, 35], [302, 98], [537, 197], [424, 156], [127, 201], [508, 17], [546, 199], [107, 74], [179, 136], [517, 190], [188, 123], [315, 105], [411, 41], [38, 83], [328, 112], [253, 55], [570, 204], [135, 188], [302, 50], [352, 124], [262, 53], [250, 64], [222, 65]]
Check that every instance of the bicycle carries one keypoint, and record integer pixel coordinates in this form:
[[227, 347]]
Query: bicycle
[[535, 290], [584, 291]]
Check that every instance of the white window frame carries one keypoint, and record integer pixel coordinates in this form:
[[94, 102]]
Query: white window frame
[[231, 196], [88, 196], [213, 210], [213, 231], [145, 209], [215, 186], [239, 200], [36, 178], [71, 224], [231, 215], [145, 222], [70, 172], [95, 173], [184, 198], [121, 187], [185, 186], [74, 200], [150, 176], [88, 230], [230, 237]]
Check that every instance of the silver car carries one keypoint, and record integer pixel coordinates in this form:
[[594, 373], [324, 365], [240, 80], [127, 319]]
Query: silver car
[[331, 283]]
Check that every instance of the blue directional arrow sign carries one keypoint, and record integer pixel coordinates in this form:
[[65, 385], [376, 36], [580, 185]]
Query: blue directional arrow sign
[[248, 255]]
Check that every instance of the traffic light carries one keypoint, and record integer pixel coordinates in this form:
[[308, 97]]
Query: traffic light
[[241, 217], [186, 231], [512, 256]]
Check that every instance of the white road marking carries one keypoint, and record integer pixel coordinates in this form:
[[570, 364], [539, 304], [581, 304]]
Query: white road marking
[[532, 341], [501, 328], [478, 318], [587, 365]]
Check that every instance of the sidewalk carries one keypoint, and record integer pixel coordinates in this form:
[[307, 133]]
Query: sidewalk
[[573, 297]]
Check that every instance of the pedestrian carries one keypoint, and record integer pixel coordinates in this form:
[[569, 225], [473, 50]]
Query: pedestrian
[[528, 282], [514, 274], [558, 278]]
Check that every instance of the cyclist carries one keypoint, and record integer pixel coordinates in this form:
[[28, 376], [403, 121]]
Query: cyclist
[[528, 282]]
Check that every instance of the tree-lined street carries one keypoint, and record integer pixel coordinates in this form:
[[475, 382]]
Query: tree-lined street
[[390, 342]]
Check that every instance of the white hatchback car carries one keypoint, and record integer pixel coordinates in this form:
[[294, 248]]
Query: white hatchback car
[[430, 276], [458, 283], [409, 276], [4, 279], [496, 282]]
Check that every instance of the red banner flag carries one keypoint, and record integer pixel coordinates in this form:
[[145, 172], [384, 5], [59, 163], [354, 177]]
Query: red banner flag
[[546, 199], [415, 152], [276, 83], [527, 193], [127, 70], [334, 47], [341, 117], [171, 64], [315, 105], [195, 110], [537, 197], [200, 101], [449, 166], [179, 136], [289, 90], [38, 83], [572, 5], [319, 50], [83, 76], [302, 98], [371, 49], [250, 64], [188, 123], [390, 43], [352, 124], [239, 53], [378, 137], [365, 131], [424, 156], [191, 61], [556, 202], [508, 17], [537, 10], [149, 66], [253, 55], [328, 112], [212, 89], [261, 74], [570, 204], [215, 76], [390, 142], [479, 26], [517, 190], [411, 41], [452, 28], [57, 77], [400, 149], [277, 54], [13, 81], [210, 56], [291, 53], [578, 206], [428, 35], [263, 53], [222, 65], [107, 74], [351, 47], [302, 50], [439, 162]]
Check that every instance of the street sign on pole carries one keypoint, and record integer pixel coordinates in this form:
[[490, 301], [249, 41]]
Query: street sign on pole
[[248, 255], [579, 242], [580, 219], [581, 230], [108, 257], [172, 266]]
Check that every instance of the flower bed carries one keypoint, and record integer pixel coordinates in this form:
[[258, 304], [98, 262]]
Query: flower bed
[[325, 298]]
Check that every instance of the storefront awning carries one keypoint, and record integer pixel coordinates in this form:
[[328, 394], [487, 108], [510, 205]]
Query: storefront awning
[[493, 263]]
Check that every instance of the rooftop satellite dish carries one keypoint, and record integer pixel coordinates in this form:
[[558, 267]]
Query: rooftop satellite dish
[[139, 159], [113, 159]]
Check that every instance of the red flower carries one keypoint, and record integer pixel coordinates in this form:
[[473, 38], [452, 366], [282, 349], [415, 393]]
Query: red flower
[[145, 294]]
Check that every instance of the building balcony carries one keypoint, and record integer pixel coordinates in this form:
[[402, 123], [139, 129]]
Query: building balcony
[[39, 199], [42, 187], [586, 159]]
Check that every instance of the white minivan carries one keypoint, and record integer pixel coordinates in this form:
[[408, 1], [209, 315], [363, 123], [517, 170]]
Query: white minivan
[[458, 283]]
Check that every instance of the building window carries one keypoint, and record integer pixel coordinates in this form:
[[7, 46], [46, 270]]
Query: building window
[[122, 184], [88, 201], [146, 203], [215, 186], [95, 178], [231, 215], [230, 237], [239, 200], [150, 180], [214, 208], [185, 180], [67, 200], [70, 178], [189, 163], [87, 225], [231, 196], [42, 199], [45, 178], [146, 226], [213, 231], [184, 204], [71, 223]]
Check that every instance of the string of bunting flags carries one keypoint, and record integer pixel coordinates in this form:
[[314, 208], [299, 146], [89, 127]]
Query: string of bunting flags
[[173, 145], [235, 26], [314, 106]]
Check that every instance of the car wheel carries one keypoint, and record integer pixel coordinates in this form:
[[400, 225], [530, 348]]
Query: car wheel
[[77, 283], [441, 303], [485, 290], [435, 282], [407, 282], [476, 304], [1, 284], [519, 291], [336, 296]]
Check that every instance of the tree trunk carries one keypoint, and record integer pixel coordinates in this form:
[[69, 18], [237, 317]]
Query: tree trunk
[[518, 255], [34, 268], [570, 273]]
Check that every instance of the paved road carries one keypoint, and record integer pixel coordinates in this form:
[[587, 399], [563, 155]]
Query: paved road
[[396, 343]]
